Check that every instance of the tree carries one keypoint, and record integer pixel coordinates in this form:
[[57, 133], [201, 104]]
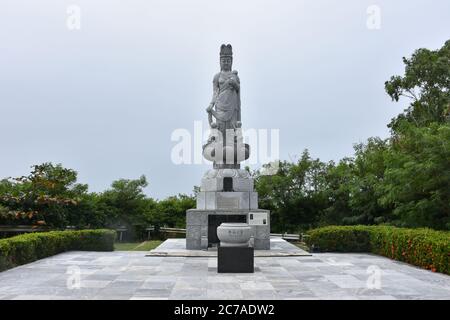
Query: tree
[[125, 201], [426, 82], [416, 183], [417, 177], [171, 212], [339, 181], [368, 173], [41, 198], [294, 194]]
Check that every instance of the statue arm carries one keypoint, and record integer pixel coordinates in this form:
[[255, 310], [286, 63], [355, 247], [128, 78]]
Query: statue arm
[[237, 84], [210, 110], [215, 91], [238, 89], [238, 116]]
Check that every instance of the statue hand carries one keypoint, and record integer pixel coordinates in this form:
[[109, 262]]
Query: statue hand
[[233, 83], [238, 124], [209, 109]]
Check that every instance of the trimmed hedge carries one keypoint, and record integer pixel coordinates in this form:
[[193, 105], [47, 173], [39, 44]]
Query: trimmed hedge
[[27, 248], [424, 248]]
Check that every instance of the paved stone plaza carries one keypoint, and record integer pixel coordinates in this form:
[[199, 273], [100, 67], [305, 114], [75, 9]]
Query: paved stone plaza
[[133, 275]]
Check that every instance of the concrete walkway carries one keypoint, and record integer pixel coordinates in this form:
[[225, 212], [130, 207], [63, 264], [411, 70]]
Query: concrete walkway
[[133, 275]]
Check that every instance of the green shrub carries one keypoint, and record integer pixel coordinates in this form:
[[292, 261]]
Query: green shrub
[[27, 248], [424, 248], [337, 239]]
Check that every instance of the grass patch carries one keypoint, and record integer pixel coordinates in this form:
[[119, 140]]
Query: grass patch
[[137, 246]]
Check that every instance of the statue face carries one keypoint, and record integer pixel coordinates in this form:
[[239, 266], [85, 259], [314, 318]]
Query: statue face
[[226, 63]]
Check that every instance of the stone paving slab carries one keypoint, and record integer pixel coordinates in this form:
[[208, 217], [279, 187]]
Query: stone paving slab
[[123, 275], [177, 248]]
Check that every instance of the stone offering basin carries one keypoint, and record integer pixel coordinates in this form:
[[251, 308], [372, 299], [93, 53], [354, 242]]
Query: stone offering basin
[[234, 234]]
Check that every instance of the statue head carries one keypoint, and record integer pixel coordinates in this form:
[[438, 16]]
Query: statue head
[[226, 57]]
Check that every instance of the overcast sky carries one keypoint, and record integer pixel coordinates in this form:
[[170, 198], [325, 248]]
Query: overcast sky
[[105, 99]]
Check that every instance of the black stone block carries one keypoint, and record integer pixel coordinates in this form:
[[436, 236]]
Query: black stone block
[[227, 184], [235, 260]]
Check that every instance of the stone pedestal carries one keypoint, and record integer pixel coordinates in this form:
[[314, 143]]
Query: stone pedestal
[[227, 195], [235, 260]]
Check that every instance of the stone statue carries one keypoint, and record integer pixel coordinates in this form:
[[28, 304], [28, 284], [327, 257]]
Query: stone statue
[[226, 102], [225, 145]]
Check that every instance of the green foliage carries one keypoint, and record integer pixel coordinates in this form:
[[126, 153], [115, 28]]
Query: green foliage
[[417, 178], [340, 239], [27, 248], [294, 195], [50, 196], [171, 212], [42, 198], [368, 171], [125, 203], [339, 184], [425, 248], [352, 186], [403, 181], [426, 82]]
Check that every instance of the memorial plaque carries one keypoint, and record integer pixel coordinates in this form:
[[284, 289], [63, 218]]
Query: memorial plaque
[[257, 218], [227, 202]]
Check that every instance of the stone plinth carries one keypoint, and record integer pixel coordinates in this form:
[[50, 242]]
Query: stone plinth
[[235, 260]]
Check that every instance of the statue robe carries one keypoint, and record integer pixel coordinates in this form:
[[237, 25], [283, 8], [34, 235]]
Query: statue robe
[[227, 101]]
